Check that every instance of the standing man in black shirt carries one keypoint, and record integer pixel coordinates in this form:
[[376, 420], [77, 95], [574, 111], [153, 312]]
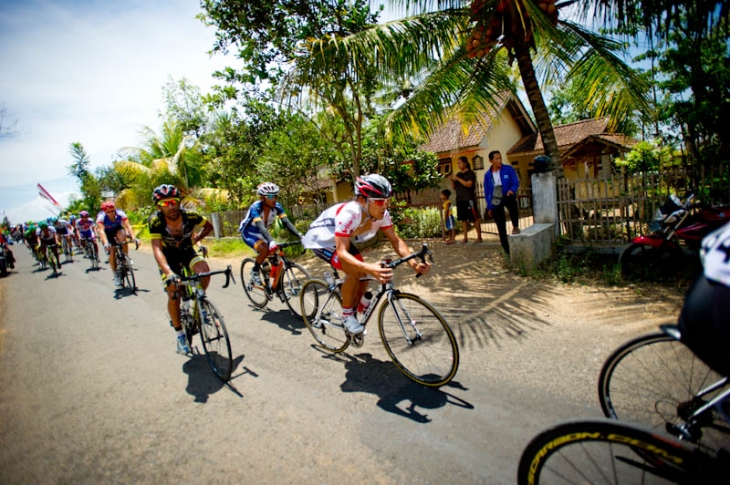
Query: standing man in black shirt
[[464, 183]]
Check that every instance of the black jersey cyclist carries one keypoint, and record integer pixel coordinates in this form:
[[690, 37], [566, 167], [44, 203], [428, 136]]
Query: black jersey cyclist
[[47, 237], [174, 232], [254, 228]]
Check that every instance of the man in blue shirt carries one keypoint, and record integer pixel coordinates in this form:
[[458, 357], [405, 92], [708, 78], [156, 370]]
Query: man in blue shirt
[[500, 189]]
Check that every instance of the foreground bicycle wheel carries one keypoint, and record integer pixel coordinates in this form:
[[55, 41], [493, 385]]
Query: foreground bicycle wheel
[[214, 336], [604, 451], [129, 279], [291, 283], [654, 380], [419, 340], [255, 293], [321, 310]]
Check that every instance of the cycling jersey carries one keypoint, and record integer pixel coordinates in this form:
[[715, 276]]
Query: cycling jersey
[[716, 255], [159, 230], [256, 213], [343, 220], [61, 226], [46, 238], [85, 226], [112, 224]]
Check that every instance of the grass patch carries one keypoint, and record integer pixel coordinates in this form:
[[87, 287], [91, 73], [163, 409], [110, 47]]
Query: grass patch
[[227, 247]]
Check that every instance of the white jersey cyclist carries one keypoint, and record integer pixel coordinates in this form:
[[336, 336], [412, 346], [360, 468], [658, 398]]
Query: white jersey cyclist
[[716, 255], [343, 220]]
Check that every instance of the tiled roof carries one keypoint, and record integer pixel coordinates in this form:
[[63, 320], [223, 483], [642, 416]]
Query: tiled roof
[[566, 135], [451, 136]]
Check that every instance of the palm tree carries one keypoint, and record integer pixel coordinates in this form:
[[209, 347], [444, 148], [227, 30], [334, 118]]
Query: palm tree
[[458, 59], [171, 157]]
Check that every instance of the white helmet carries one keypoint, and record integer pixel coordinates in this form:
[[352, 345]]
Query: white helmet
[[267, 188]]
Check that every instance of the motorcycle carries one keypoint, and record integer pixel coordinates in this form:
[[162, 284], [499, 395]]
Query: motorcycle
[[673, 222]]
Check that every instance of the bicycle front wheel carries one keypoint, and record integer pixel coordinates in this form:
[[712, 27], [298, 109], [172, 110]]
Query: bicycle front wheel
[[658, 382], [129, 275], [321, 309], [291, 285], [53, 262], [215, 340], [419, 340], [601, 451], [255, 292]]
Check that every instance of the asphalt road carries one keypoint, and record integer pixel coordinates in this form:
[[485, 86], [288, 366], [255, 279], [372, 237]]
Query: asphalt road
[[92, 390]]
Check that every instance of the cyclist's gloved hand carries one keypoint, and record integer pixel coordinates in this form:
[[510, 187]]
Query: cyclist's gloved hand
[[273, 246], [171, 279]]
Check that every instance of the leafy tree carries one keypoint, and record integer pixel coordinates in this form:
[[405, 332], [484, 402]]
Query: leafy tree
[[457, 60], [90, 186], [646, 157], [184, 104]]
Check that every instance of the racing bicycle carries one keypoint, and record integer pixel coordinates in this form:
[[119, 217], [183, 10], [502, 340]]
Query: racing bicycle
[[598, 451], [279, 277], [198, 315], [415, 335], [67, 248], [657, 381], [125, 268], [49, 258], [90, 252]]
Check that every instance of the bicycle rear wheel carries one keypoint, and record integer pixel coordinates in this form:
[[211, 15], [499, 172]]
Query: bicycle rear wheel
[[52, 261], [602, 451], [255, 292], [215, 340], [322, 313], [419, 340], [291, 285], [654, 380]]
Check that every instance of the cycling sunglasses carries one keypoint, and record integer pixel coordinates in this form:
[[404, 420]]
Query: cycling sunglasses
[[168, 202], [271, 196], [379, 202]]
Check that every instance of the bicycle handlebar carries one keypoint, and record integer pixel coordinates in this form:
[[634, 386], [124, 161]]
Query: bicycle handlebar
[[287, 244], [422, 254], [199, 276]]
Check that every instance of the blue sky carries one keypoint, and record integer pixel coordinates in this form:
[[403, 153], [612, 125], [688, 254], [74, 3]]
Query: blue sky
[[90, 72]]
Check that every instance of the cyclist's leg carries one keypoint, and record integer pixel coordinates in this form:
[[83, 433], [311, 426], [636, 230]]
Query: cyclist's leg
[[110, 237], [352, 288], [121, 236], [198, 265]]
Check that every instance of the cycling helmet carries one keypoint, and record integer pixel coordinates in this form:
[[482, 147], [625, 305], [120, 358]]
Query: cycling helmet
[[373, 186], [73, 217], [267, 188], [54, 220], [165, 191], [43, 225], [107, 205], [83, 214]]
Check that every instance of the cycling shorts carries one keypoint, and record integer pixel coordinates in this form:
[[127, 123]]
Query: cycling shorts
[[330, 255], [178, 259], [87, 235], [62, 231], [111, 234], [252, 239]]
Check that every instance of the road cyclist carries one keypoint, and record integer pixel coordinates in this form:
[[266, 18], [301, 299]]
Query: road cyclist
[[65, 231], [86, 227], [174, 232], [332, 237], [114, 227], [254, 227], [47, 238], [673, 392]]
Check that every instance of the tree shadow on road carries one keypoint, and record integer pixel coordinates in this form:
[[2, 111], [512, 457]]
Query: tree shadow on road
[[201, 380], [370, 375]]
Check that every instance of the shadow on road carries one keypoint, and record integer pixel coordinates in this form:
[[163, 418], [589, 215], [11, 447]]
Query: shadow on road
[[201, 380], [284, 319], [367, 374]]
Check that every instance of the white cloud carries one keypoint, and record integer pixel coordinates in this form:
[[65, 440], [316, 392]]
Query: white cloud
[[91, 72]]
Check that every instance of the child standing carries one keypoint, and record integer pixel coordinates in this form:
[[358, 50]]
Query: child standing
[[448, 217]]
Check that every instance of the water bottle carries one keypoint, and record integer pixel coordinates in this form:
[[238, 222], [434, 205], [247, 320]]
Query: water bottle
[[364, 302], [329, 279]]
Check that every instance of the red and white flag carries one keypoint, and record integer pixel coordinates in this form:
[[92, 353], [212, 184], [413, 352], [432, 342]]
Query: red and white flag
[[46, 195]]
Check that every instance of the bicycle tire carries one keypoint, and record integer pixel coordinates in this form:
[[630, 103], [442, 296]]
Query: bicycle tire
[[214, 336], [53, 262], [291, 284], [600, 451], [94, 255], [653, 380], [322, 315], [257, 294], [129, 275], [67, 250], [431, 358]]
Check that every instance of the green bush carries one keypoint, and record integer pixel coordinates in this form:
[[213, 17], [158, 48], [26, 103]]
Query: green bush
[[417, 222]]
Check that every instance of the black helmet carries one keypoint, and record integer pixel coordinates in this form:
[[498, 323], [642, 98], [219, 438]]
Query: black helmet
[[542, 164], [165, 191], [373, 186]]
